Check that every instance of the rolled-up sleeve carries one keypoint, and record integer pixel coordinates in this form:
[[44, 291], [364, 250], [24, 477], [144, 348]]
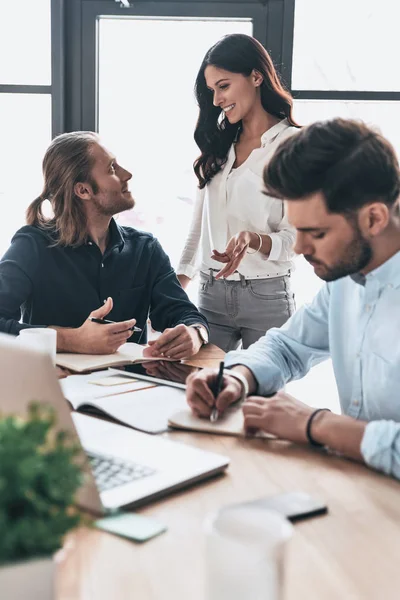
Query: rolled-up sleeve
[[289, 352], [282, 241], [380, 446]]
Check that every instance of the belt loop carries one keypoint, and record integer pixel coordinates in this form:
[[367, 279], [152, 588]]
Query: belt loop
[[210, 277], [242, 280]]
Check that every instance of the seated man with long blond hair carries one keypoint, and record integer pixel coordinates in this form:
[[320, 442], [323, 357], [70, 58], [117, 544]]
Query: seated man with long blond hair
[[79, 263]]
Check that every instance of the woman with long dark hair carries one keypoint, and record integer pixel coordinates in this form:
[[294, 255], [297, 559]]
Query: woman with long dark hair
[[245, 112]]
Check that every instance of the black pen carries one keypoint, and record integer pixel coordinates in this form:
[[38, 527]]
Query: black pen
[[217, 388], [107, 322]]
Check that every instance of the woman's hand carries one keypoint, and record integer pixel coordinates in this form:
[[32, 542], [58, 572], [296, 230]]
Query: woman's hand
[[234, 253]]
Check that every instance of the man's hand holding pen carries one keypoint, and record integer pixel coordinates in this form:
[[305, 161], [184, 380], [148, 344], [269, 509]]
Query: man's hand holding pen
[[200, 392], [99, 336]]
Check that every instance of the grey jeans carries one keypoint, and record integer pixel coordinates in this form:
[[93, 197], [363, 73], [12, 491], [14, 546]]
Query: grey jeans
[[242, 311]]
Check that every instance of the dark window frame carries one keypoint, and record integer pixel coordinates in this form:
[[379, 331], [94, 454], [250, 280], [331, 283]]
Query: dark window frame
[[74, 50], [56, 87], [80, 36], [321, 94]]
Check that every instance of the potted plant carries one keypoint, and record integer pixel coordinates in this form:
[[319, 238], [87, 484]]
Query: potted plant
[[40, 472]]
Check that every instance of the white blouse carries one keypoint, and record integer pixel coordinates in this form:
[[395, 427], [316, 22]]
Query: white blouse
[[232, 202]]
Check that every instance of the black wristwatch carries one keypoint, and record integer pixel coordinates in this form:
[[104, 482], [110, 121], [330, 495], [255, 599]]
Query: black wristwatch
[[203, 333]]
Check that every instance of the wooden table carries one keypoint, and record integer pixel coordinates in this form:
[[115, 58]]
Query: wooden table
[[208, 356], [350, 554]]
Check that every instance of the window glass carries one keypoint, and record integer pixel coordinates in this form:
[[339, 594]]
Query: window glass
[[25, 46], [147, 113], [381, 115], [346, 45], [25, 125]]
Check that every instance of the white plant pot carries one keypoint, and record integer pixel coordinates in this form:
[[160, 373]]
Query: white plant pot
[[33, 579]]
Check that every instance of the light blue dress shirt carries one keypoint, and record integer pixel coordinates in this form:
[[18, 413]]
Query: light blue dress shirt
[[355, 321]]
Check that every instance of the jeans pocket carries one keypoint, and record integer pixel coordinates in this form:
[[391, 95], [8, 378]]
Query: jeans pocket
[[267, 289]]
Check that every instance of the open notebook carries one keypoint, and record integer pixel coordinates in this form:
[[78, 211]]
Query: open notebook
[[127, 354], [230, 423], [138, 404]]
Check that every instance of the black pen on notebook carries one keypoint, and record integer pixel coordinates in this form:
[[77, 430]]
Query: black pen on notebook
[[107, 322], [217, 388]]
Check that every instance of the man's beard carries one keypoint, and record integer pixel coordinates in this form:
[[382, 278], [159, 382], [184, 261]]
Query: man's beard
[[110, 208], [357, 255]]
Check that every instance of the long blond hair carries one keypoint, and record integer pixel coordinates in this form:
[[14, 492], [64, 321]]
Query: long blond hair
[[68, 160]]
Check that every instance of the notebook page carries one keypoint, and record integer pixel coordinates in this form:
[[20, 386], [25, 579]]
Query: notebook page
[[147, 409], [127, 353], [89, 362], [79, 389], [229, 423]]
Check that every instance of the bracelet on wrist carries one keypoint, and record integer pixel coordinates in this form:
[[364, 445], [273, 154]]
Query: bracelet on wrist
[[310, 438], [259, 246]]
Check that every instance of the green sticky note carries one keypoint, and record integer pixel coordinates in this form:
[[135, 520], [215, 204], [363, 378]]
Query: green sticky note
[[131, 526]]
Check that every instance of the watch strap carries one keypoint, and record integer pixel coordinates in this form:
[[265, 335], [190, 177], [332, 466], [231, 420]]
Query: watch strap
[[202, 331]]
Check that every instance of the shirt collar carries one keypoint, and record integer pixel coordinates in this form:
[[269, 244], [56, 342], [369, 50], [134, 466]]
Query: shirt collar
[[268, 135], [386, 274], [274, 131], [358, 278], [116, 237]]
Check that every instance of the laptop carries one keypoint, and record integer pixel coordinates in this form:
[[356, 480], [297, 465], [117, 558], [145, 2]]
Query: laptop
[[124, 467]]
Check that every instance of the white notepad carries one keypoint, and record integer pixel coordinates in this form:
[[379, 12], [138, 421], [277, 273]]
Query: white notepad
[[229, 423]]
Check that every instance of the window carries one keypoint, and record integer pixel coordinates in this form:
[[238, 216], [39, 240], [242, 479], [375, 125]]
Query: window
[[156, 143], [344, 62], [24, 141], [346, 45], [26, 46], [343, 65], [381, 114], [25, 107]]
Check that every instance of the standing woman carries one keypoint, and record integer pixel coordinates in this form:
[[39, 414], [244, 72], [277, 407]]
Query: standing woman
[[239, 238]]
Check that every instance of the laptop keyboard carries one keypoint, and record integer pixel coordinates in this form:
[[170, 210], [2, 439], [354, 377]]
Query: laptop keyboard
[[111, 472]]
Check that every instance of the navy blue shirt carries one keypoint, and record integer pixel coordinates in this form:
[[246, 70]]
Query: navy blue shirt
[[58, 285]]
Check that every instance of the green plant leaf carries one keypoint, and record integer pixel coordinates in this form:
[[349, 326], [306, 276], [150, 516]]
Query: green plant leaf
[[40, 473]]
